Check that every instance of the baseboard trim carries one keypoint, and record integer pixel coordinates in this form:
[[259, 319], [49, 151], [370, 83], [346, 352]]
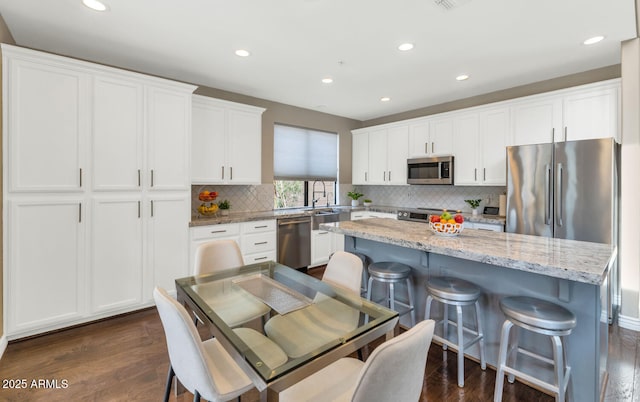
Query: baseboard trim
[[629, 323], [3, 345]]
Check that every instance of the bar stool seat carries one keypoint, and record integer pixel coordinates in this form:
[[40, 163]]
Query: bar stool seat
[[542, 317], [459, 293], [390, 273]]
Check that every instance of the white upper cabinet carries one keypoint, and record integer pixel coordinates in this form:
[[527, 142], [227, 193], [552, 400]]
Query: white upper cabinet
[[536, 121], [360, 157], [592, 113], [117, 135], [168, 133], [48, 118], [466, 156], [585, 112], [431, 137], [226, 143], [380, 155]]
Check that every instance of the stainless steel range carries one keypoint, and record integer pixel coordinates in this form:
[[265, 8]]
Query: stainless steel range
[[418, 214]]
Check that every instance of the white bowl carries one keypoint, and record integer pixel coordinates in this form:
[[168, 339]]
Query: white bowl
[[446, 229]]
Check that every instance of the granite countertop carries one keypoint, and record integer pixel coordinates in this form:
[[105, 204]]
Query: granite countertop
[[566, 259], [248, 216]]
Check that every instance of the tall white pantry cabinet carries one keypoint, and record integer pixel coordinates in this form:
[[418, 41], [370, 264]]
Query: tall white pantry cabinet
[[96, 189]]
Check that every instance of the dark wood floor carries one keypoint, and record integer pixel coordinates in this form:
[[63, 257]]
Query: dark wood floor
[[125, 359]]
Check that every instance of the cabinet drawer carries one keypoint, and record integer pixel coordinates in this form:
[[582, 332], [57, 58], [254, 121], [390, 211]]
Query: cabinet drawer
[[258, 242], [259, 257], [215, 231], [488, 226], [258, 226]]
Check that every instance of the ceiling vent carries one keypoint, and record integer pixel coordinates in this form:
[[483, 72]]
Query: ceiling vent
[[447, 5]]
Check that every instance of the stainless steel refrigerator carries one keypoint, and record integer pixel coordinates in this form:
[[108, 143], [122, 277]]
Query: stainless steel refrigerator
[[567, 190]]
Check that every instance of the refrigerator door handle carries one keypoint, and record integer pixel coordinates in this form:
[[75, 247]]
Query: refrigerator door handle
[[559, 205], [547, 195]]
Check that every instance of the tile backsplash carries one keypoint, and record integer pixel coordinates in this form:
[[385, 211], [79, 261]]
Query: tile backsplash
[[432, 196], [260, 197]]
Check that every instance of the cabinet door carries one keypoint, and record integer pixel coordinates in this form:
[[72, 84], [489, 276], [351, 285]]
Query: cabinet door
[[168, 133], [378, 157], [45, 267], [467, 131], [47, 121], [116, 253], [397, 152], [591, 114], [536, 122], [419, 142], [338, 242], [360, 158], [117, 134], [441, 136], [167, 240], [244, 147], [321, 245], [494, 126], [208, 143]]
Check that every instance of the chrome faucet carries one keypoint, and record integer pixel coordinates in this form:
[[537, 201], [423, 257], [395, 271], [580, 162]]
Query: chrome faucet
[[313, 194]]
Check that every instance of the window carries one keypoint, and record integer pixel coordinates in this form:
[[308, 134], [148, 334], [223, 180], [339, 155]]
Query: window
[[305, 164]]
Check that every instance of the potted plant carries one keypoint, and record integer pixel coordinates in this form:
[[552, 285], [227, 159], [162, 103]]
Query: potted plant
[[367, 202], [224, 207], [474, 205], [354, 195]]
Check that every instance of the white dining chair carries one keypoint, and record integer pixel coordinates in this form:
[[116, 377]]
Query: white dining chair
[[232, 304], [203, 368], [393, 372], [303, 331]]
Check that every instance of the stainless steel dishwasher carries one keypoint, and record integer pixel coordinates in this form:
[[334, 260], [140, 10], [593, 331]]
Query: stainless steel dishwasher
[[294, 242]]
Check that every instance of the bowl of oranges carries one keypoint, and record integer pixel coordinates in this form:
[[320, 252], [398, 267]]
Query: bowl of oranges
[[446, 224]]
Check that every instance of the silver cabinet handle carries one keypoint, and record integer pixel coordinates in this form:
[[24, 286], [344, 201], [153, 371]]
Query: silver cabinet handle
[[152, 208], [151, 177], [322, 233], [260, 227], [433, 145], [365, 176], [79, 212], [218, 231], [484, 174], [384, 176], [475, 174], [223, 173], [259, 243], [259, 258], [389, 175], [426, 147], [80, 177], [231, 173], [565, 133], [553, 135], [138, 209], [139, 178]]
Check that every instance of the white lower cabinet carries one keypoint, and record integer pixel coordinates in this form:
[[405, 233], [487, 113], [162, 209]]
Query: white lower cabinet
[[494, 227], [116, 253], [257, 239], [321, 246], [46, 241], [167, 219]]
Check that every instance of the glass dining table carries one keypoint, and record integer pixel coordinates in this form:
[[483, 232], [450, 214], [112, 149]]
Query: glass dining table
[[308, 322]]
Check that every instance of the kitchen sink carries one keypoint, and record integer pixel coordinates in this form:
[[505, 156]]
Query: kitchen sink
[[327, 216]]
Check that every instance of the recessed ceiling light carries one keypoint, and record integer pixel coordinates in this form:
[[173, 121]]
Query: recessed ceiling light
[[593, 40], [405, 46], [242, 53], [462, 77], [327, 80], [385, 99], [95, 5]]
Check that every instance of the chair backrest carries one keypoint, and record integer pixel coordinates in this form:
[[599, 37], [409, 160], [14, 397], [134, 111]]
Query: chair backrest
[[186, 352], [217, 255], [345, 270], [401, 363]]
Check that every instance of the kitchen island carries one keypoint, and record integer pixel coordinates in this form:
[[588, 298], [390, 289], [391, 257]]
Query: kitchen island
[[570, 273]]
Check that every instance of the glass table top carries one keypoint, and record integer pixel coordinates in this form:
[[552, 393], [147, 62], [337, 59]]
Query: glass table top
[[302, 316]]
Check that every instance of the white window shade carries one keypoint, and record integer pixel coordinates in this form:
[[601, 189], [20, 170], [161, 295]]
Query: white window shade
[[303, 154]]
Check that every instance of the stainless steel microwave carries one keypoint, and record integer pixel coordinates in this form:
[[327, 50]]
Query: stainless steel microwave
[[430, 170]]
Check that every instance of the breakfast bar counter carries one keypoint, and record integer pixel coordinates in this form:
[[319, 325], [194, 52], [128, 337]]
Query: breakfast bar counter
[[570, 273]]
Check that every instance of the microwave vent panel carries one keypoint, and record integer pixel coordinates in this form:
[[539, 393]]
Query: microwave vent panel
[[447, 5]]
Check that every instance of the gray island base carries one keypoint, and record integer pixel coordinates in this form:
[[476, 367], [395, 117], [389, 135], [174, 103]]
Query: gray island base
[[570, 273]]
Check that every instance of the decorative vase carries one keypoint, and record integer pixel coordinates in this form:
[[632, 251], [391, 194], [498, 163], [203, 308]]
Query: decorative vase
[[366, 204], [224, 212], [474, 211], [355, 203]]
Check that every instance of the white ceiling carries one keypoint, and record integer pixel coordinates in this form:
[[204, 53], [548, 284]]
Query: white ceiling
[[295, 43]]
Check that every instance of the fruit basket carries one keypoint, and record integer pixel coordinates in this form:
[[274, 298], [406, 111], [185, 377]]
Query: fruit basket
[[446, 224], [208, 207], [446, 229]]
